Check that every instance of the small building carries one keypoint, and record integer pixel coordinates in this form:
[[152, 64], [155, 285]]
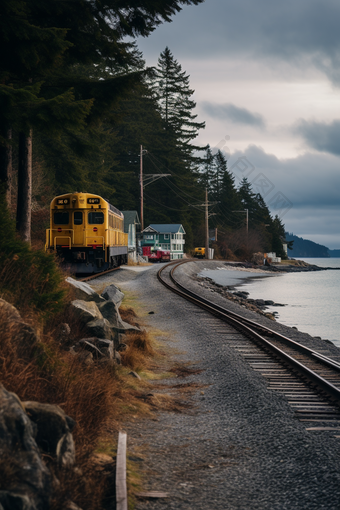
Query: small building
[[166, 236], [132, 228], [272, 256]]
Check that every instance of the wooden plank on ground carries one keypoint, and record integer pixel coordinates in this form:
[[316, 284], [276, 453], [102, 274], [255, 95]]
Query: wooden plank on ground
[[121, 492]]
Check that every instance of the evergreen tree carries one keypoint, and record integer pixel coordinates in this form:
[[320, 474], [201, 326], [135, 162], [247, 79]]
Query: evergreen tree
[[220, 169], [208, 171], [230, 202], [173, 93], [278, 235], [248, 199]]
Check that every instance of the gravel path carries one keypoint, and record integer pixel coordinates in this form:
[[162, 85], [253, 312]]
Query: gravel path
[[240, 446]]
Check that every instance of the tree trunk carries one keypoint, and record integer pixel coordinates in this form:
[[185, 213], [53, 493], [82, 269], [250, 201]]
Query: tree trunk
[[6, 167], [24, 187]]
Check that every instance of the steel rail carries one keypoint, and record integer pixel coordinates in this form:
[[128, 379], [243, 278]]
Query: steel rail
[[265, 330], [245, 327]]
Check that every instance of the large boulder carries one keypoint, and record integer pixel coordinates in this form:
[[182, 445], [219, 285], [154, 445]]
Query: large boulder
[[83, 291], [26, 479], [110, 312], [112, 293], [54, 429], [85, 311], [100, 328], [103, 345]]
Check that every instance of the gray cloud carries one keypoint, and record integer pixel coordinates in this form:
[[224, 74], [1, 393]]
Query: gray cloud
[[303, 33], [320, 136], [310, 183], [232, 113]]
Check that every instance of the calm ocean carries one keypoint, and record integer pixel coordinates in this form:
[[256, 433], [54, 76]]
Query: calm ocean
[[312, 299]]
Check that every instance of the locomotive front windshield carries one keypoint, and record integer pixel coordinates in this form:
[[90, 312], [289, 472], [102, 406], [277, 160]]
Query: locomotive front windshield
[[61, 218], [96, 218]]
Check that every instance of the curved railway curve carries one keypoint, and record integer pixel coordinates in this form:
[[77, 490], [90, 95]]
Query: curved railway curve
[[309, 379]]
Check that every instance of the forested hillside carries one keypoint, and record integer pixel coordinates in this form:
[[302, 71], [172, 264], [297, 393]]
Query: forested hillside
[[305, 248], [78, 102]]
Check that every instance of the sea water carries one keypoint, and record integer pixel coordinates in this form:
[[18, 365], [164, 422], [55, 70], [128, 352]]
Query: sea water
[[311, 299]]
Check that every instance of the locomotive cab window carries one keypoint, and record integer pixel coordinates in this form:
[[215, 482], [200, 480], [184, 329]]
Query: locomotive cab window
[[78, 218], [61, 218], [96, 218]]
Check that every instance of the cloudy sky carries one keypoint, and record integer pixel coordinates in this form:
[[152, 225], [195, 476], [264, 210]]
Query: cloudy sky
[[266, 76]]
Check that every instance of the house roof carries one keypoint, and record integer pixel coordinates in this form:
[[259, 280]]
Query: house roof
[[130, 217], [165, 228]]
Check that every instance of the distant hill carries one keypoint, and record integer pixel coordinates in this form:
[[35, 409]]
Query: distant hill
[[334, 253], [305, 248]]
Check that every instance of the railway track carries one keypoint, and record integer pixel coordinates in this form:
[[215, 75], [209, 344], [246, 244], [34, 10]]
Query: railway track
[[310, 380], [96, 275]]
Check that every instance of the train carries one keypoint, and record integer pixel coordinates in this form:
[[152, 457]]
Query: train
[[199, 253], [87, 233]]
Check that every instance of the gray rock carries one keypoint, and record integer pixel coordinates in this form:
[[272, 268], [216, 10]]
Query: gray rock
[[83, 291], [102, 344], [112, 293], [99, 328], [66, 453], [12, 501], [72, 506], [8, 312], [134, 374], [52, 424], [110, 312], [125, 326], [85, 311], [31, 485], [117, 357], [260, 302], [85, 345]]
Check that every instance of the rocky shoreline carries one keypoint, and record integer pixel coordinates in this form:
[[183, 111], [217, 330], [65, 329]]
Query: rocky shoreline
[[241, 297]]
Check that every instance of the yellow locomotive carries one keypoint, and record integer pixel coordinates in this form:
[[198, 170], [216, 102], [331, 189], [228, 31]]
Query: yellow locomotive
[[87, 232], [199, 253]]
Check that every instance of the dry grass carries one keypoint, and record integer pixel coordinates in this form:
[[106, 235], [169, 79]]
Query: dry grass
[[98, 398], [132, 263], [139, 351]]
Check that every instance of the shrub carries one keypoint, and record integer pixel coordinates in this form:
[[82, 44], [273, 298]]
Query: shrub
[[28, 278]]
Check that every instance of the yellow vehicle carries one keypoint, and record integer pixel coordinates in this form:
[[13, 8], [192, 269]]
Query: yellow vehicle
[[87, 232], [199, 253]]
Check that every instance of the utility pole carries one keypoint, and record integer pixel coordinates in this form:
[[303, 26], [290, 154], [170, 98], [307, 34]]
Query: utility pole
[[206, 217], [141, 188], [206, 224], [144, 180]]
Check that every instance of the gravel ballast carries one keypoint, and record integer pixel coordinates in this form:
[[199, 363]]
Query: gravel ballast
[[238, 445]]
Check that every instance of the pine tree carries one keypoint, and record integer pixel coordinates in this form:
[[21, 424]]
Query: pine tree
[[173, 93], [220, 168], [208, 171]]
